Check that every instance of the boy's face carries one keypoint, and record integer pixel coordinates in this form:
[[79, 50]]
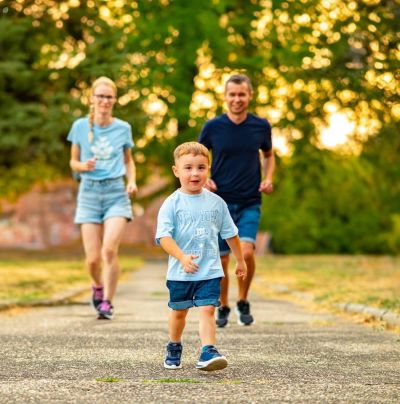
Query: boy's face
[[192, 172]]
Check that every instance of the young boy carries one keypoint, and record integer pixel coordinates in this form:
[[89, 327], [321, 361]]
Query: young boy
[[188, 225]]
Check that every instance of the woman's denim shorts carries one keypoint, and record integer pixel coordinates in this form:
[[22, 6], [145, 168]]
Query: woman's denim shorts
[[99, 200], [247, 220], [186, 294]]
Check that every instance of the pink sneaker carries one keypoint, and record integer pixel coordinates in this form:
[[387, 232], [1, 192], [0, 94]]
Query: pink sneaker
[[105, 310], [97, 296]]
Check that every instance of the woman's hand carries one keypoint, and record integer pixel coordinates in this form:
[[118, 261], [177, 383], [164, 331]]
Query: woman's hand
[[131, 189]]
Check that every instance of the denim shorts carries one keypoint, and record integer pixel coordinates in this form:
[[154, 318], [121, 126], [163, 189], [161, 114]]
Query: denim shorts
[[99, 200], [186, 294], [247, 220]]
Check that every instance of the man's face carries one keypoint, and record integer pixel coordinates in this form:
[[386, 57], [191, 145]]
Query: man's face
[[238, 97]]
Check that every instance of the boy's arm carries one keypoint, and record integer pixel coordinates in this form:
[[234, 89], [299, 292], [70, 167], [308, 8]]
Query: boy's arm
[[234, 245], [169, 245]]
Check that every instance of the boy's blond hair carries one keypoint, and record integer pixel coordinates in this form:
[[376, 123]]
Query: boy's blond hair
[[195, 148]]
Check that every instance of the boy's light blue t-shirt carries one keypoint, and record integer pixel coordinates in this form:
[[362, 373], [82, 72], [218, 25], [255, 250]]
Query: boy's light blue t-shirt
[[194, 222], [107, 146]]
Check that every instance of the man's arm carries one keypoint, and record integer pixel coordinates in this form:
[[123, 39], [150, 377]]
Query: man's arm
[[268, 168], [169, 245]]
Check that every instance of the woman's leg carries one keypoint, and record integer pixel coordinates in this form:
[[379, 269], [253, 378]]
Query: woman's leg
[[176, 324], [207, 325], [113, 231], [91, 237]]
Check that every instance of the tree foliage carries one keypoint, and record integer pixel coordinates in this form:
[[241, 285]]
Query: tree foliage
[[312, 62]]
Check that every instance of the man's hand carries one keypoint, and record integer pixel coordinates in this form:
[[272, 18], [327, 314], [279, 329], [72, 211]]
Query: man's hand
[[266, 187], [210, 185], [189, 266], [241, 270]]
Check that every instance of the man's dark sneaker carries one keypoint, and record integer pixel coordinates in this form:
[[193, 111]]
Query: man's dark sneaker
[[211, 359], [243, 313], [105, 310], [173, 356], [97, 296], [222, 316]]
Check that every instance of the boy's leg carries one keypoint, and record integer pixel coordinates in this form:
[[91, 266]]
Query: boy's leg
[[176, 324], [225, 281], [210, 358], [207, 325]]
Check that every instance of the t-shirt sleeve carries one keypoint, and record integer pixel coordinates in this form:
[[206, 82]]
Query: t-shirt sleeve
[[129, 139], [204, 137], [165, 221], [228, 227], [73, 133], [266, 144]]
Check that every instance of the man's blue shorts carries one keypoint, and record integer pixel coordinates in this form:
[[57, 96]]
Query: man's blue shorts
[[186, 294], [98, 200], [247, 220]]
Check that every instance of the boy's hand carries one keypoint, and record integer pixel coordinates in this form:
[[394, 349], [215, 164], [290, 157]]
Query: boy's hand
[[189, 266], [241, 269]]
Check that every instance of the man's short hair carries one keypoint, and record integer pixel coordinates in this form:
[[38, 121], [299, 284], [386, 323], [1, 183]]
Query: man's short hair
[[195, 148], [239, 79]]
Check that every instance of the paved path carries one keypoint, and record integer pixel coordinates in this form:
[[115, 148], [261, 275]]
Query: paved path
[[58, 354]]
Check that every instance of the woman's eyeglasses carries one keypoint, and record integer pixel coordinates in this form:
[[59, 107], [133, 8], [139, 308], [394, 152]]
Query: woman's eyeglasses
[[103, 97]]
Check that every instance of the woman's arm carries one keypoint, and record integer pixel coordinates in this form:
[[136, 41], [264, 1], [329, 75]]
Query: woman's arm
[[131, 186], [76, 164]]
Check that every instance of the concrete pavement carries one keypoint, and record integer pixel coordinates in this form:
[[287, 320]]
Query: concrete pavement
[[63, 354]]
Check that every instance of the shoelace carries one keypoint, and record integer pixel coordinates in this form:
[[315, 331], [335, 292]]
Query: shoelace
[[174, 351], [98, 293], [105, 306]]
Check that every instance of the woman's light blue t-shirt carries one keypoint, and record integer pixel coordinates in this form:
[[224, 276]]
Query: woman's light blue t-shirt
[[194, 222], [107, 146]]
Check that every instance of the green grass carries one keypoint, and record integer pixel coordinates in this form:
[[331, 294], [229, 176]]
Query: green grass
[[332, 279], [108, 379], [29, 277], [170, 380]]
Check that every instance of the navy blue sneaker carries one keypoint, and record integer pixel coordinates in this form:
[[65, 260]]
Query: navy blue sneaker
[[173, 356], [244, 316], [222, 316], [211, 359]]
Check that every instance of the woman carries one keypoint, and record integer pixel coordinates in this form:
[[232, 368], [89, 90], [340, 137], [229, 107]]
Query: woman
[[101, 154]]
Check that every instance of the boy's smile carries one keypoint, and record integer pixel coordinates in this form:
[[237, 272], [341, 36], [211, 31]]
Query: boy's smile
[[192, 172]]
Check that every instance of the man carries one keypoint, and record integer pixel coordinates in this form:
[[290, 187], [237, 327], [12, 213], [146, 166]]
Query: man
[[235, 140]]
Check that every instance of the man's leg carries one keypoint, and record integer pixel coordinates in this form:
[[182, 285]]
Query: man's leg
[[244, 284]]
